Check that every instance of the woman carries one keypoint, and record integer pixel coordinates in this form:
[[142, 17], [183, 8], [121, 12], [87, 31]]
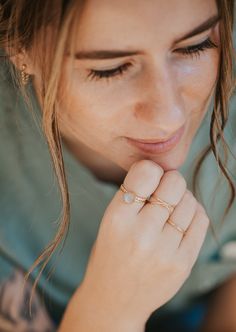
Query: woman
[[126, 93]]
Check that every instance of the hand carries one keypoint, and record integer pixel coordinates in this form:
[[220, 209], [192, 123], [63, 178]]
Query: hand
[[139, 261]]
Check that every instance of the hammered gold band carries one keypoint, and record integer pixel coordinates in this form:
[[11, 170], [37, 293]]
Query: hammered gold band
[[157, 201], [178, 228]]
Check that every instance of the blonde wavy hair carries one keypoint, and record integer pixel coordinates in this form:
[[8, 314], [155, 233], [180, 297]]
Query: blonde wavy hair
[[21, 32]]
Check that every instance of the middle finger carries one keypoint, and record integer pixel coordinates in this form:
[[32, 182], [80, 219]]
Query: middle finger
[[170, 190]]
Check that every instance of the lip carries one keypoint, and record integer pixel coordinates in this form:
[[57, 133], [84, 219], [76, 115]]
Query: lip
[[152, 146]]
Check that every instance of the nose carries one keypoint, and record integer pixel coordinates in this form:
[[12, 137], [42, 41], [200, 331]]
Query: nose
[[160, 104]]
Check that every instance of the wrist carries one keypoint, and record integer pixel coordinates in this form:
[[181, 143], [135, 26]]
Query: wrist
[[85, 313]]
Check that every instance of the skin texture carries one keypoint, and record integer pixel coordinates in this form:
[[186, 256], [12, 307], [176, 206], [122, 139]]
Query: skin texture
[[138, 261], [160, 92]]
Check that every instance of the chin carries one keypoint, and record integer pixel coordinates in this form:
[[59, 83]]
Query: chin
[[172, 165], [174, 161], [167, 165]]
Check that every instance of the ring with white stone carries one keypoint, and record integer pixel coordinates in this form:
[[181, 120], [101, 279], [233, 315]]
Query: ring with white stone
[[130, 196]]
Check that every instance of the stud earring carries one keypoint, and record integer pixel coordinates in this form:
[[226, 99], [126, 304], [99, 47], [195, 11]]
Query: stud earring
[[24, 76]]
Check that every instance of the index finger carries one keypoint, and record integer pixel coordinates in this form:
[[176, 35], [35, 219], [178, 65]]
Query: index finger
[[142, 179]]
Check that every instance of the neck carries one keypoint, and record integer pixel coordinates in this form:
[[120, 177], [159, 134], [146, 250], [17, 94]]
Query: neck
[[103, 169]]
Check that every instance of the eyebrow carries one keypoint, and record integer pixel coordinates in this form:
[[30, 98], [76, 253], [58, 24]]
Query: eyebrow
[[209, 23], [112, 54]]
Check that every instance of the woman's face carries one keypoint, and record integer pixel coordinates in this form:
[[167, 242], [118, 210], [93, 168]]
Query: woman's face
[[156, 87]]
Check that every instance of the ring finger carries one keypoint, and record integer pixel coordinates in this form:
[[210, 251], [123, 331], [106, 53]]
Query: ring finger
[[170, 190], [180, 219]]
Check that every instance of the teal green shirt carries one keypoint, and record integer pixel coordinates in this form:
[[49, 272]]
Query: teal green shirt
[[30, 205]]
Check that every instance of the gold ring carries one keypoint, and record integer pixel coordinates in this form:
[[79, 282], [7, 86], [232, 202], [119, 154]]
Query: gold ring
[[130, 196], [178, 228], [157, 201]]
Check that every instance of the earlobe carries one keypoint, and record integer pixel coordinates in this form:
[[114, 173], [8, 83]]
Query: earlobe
[[21, 62], [24, 75]]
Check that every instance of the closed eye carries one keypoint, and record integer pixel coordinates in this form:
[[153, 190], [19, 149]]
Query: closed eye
[[196, 50], [192, 51], [100, 74]]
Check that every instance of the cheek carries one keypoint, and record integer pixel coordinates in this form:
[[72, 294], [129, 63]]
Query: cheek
[[88, 114], [95, 105], [197, 80]]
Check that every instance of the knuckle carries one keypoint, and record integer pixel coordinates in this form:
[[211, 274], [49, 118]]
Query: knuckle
[[148, 168], [140, 245], [176, 178], [201, 208], [174, 263], [189, 194], [205, 221], [190, 199]]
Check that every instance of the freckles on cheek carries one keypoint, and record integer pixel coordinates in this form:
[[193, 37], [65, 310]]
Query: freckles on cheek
[[198, 81]]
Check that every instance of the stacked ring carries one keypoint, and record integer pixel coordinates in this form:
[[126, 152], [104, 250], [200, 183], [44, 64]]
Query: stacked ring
[[130, 196], [178, 228], [157, 201]]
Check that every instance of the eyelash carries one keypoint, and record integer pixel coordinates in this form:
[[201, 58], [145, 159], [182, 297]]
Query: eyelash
[[119, 71]]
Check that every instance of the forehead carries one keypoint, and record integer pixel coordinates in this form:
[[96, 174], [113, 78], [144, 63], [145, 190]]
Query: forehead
[[114, 22]]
